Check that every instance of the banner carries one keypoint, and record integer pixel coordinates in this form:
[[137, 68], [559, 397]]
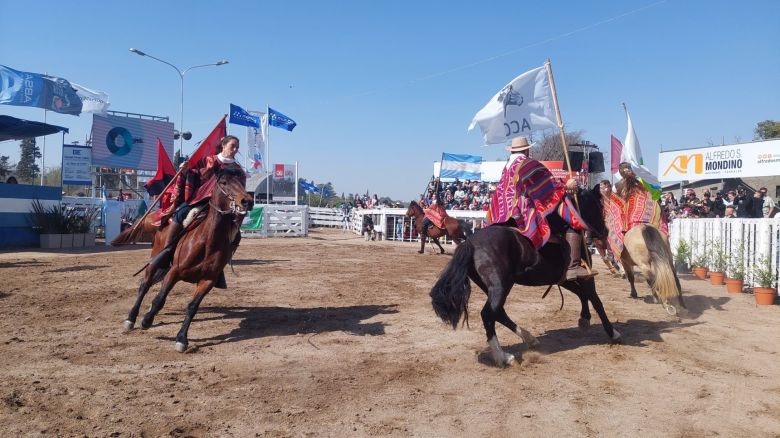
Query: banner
[[461, 166], [283, 182], [76, 165], [256, 143], [92, 101], [275, 118], [523, 106], [743, 160], [240, 116], [22, 88], [129, 143]]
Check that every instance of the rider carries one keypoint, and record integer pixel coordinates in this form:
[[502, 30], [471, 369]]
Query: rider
[[527, 193], [198, 185], [435, 214]]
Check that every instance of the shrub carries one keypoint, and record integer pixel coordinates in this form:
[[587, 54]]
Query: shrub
[[763, 274]]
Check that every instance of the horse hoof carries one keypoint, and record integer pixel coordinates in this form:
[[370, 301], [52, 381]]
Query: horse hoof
[[420, 252], [181, 347], [616, 337], [671, 310], [508, 361], [128, 325], [583, 324]]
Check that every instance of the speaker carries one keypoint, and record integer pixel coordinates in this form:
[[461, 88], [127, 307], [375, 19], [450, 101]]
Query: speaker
[[575, 159], [596, 162]]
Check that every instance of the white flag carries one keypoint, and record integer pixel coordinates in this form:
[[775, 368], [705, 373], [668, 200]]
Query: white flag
[[256, 143], [523, 106], [92, 101], [631, 153]]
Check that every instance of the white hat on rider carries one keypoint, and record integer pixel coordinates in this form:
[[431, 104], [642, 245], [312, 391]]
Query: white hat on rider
[[519, 144]]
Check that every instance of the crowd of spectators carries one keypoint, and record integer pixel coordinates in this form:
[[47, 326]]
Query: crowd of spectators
[[460, 195], [734, 203]]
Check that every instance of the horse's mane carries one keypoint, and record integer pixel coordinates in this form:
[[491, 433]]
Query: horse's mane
[[230, 172], [628, 185]]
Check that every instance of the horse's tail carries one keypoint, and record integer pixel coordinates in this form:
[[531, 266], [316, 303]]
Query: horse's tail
[[665, 281], [450, 294], [466, 227], [130, 235]]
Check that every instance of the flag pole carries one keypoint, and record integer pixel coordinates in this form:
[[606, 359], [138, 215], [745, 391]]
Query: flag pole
[[267, 158], [296, 183]]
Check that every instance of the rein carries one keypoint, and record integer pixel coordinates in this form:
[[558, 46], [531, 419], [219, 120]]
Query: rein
[[233, 209]]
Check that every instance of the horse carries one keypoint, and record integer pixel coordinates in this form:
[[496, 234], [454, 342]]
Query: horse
[[497, 257], [200, 256], [456, 229]]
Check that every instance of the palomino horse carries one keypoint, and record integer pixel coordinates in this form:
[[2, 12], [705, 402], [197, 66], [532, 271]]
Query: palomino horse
[[498, 257], [456, 229], [200, 256]]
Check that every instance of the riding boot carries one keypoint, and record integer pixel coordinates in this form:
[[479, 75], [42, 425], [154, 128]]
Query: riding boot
[[164, 257], [576, 271], [221, 283]]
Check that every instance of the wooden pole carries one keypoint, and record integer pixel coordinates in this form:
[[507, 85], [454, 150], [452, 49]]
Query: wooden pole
[[157, 199]]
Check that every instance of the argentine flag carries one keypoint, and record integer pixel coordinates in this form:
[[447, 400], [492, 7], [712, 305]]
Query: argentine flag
[[461, 166]]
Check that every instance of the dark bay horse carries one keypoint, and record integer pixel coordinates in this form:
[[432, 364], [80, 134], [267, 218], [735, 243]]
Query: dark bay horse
[[201, 254], [498, 257], [456, 229]]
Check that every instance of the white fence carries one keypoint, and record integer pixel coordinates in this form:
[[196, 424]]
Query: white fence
[[326, 217], [392, 223], [757, 238]]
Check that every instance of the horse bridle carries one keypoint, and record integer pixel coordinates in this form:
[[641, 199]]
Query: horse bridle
[[234, 207]]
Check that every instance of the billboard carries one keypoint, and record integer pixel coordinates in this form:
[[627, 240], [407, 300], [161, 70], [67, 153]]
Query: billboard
[[129, 143], [283, 182], [743, 160], [76, 164]]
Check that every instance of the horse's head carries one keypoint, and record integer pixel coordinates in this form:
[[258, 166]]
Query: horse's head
[[413, 207], [590, 210], [230, 195]]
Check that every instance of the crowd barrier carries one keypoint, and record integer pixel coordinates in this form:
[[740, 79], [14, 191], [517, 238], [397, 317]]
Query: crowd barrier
[[276, 221], [757, 238], [392, 223]]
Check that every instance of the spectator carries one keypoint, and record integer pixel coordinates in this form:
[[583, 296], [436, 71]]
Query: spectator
[[718, 207], [744, 204], [729, 212], [768, 208]]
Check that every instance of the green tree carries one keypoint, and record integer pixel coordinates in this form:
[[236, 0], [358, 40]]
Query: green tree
[[53, 177], [5, 167], [767, 129], [26, 168]]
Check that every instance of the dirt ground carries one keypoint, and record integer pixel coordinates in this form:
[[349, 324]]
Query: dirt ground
[[333, 336]]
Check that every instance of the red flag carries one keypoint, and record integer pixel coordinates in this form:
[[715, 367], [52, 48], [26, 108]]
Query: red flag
[[209, 146], [165, 172], [617, 149]]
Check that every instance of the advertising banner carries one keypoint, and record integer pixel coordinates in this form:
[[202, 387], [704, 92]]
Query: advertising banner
[[129, 143], [283, 182], [76, 165], [743, 160]]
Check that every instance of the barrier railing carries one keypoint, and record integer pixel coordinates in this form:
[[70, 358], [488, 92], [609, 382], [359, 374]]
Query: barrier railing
[[392, 223], [757, 238]]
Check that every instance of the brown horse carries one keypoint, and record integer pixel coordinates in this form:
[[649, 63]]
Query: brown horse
[[456, 229], [201, 254]]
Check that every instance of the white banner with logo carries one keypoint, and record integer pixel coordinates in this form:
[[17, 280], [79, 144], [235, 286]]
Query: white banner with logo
[[76, 165], [761, 158]]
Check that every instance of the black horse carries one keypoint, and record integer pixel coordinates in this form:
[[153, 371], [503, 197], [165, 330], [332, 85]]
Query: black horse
[[497, 257]]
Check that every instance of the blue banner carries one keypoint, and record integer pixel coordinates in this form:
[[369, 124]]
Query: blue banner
[[308, 186], [240, 116], [275, 118], [21, 88]]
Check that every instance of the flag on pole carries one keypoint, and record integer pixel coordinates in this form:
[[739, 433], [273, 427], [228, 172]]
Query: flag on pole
[[92, 101], [632, 154], [275, 118], [165, 172], [21, 88], [461, 166], [615, 153], [209, 145], [240, 116], [256, 140], [521, 107]]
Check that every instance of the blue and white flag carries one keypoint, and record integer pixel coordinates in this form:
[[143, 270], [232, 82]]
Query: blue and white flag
[[240, 116], [461, 166], [275, 118], [22, 88], [308, 186]]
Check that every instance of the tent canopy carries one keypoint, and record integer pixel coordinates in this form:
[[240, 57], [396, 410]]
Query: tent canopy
[[12, 128]]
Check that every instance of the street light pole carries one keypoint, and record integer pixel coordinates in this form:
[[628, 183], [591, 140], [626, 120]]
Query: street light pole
[[181, 76]]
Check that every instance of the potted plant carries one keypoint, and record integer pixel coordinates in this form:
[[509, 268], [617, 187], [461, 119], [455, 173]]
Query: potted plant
[[80, 225], [682, 257], [735, 280], [47, 221], [764, 276], [718, 260], [700, 263]]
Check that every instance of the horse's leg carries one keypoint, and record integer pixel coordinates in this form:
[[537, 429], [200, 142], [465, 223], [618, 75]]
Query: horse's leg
[[204, 286], [524, 334], [143, 288], [496, 296], [159, 300], [422, 243], [628, 267], [587, 288], [436, 241]]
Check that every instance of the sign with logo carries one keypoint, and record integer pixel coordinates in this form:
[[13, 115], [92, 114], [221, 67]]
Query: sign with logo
[[283, 182], [76, 165], [129, 143], [743, 160]]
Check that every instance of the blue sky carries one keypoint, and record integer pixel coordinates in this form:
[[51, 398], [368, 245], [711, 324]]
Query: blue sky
[[381, 89]]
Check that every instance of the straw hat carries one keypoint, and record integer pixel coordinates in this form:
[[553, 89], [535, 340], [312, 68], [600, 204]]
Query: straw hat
[[519, 144]]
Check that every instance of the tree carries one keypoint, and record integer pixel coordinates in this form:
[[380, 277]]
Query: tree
[[5, 167], [53, 177], [26, 168], [767, 129], [549, 147]]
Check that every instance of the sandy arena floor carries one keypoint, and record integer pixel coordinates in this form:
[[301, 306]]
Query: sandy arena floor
[[333, 336]]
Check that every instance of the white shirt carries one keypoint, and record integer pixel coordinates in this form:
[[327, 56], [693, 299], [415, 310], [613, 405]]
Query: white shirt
[[225, 160]]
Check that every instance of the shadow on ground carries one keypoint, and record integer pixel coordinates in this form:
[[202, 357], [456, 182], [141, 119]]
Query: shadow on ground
[[78, 268], [258, 322], [256, 262]]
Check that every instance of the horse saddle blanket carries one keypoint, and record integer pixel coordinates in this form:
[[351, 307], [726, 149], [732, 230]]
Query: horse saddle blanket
[[437, 214], [620, 216]]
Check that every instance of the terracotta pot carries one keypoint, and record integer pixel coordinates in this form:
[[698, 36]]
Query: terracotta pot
[[734, 286], [765, 296], [716, 278], [700, 272]]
